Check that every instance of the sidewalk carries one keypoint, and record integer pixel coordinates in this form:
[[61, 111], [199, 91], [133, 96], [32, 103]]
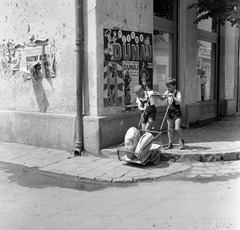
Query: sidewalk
[[217, 142]]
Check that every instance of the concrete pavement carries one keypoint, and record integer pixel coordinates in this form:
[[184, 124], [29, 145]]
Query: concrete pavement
[[208, 152], [95, 168], [218, 140]]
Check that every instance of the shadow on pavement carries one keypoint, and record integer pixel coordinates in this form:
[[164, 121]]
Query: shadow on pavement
[[148, 165]]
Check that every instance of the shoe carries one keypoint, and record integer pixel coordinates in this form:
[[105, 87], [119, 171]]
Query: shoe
[[169, 146], [182, 144]]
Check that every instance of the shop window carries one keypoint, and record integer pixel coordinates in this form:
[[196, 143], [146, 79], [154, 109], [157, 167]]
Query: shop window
[[207, 25], [162, 64], [164, 44], [163, 9], [205, 70], [206, 60]]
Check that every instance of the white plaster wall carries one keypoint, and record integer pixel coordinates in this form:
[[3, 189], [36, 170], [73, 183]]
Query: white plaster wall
[[52, 19], [230, 58], [90, 66], [187, 58], [187, 62], [134, 15]]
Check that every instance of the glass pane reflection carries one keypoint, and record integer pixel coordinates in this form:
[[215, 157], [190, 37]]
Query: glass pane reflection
[[205, 71], [207, 25], [162, 64]]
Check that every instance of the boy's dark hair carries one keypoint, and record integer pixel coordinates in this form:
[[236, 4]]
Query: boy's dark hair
[[171, 81]]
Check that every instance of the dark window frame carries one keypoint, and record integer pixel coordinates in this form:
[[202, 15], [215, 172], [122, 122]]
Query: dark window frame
[[170, 26], [212, 37]]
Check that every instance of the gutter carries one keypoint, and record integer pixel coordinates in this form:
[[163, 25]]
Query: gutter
[[79, 76], [218, 71]]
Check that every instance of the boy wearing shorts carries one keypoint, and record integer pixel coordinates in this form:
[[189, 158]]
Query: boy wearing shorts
[[174, 115], [145, 104]]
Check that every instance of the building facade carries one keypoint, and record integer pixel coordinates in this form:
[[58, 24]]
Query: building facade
[[125, 43]]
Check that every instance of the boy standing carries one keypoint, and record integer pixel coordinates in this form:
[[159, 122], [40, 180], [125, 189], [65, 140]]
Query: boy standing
[[174, 115], [145, 104]]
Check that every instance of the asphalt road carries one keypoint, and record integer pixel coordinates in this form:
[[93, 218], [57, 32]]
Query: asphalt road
[[32, 200]]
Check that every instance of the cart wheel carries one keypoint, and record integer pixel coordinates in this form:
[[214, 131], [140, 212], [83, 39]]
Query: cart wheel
[[156, 157]]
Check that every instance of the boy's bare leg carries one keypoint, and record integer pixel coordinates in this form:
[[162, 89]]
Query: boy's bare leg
[[178, 128], [143, 126], [179, 132], [170, 124], [149, 124]]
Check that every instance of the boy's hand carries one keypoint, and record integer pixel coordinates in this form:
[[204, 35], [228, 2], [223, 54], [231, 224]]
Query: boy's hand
[[145, 107], [171, 96]]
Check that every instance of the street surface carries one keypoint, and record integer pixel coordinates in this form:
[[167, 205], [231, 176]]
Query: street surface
[[198, 199]]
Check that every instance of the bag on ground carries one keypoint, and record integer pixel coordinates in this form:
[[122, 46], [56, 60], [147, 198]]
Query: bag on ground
[[144, 145], [131, 139]]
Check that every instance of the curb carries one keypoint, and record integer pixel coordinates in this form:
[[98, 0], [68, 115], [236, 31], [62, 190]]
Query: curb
[[148, 174], [61, 165], [201, 157], [206, 157]]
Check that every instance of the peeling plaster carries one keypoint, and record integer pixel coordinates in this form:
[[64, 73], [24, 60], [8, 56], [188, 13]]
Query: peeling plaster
[[45, 19]]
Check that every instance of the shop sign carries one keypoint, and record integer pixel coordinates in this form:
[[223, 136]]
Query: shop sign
[[204, 52]]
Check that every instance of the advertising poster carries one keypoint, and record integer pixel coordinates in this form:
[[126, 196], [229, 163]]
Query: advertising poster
[[132, 53], [32, 54], [17, 57], [113, 84], [131, 78]]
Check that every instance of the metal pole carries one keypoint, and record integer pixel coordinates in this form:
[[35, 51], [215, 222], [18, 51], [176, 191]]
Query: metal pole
[[218, 70], [79, 73]]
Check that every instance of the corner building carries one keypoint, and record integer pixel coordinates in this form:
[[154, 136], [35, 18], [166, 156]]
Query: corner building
[[126, 42]]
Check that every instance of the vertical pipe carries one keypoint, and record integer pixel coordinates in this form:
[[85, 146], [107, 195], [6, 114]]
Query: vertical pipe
[[238, 70], [79, 74], [218, 70]]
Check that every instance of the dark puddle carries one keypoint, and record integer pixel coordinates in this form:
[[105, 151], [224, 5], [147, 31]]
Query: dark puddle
[[199, 179], [34, 178]]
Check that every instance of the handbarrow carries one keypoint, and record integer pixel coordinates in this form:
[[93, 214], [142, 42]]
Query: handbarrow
[[153, 155]]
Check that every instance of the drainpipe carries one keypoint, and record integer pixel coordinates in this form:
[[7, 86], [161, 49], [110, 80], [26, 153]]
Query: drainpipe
[[219, 70], [79, 75]]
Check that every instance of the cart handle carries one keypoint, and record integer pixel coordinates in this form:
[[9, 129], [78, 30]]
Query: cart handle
[[143, 112]]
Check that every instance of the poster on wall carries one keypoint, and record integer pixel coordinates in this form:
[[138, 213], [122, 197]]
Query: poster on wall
[[20, 57], [113, 84], [131, 78], [41, 54], [128, 54], [33, 61]]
